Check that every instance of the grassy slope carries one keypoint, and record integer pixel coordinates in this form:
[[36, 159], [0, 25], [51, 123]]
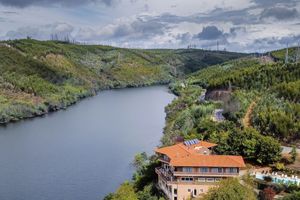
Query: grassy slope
[[37, 77], [274, 86], [280, 54]]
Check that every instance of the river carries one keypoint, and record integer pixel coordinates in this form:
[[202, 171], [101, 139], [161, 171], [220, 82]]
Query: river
[[83, 152]]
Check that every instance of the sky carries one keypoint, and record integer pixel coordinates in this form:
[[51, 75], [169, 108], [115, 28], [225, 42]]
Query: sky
[[235, 25]]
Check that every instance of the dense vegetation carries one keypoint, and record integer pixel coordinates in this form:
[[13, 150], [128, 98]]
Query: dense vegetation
[[260, 99], [230, 189], [293, 196], [235, 85], [280, 54], [260, 102], [37, 77], [142, 187]]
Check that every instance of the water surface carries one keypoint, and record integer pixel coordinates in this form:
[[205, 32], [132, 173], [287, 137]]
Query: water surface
[[84, 152]]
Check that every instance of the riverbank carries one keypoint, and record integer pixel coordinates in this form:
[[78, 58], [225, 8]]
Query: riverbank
[[37, 77], [43, 109]]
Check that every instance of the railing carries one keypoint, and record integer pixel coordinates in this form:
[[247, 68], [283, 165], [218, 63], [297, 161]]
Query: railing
[[217, 174], [178, 181], [168, 174], [165, 160], [170, 178], [164, 173]]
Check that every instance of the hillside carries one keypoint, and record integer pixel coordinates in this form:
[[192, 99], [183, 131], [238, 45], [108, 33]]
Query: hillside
[[236, 86], [293, 53], [261, 111], [37, 77], [267, 95]]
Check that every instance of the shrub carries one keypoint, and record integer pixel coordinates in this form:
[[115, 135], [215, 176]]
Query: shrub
[[267, 194]]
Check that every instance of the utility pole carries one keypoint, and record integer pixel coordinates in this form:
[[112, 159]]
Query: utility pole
[[287, 54], [298, 53], [119, 55]]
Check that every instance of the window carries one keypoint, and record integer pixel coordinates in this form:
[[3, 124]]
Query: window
[[165, 157], [187, 169], [210, 180], [175, 198], [220, 170], [189, 190], [201, 179], [232, 170], [204, 169], [195, 192], [187, 179], [214, 170], [175, 191], [201, 190]]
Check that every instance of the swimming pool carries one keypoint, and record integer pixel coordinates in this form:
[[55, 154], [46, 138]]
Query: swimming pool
[[279, 179]]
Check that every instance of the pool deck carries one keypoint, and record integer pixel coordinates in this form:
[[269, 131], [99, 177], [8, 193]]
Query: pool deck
[[276, 178]]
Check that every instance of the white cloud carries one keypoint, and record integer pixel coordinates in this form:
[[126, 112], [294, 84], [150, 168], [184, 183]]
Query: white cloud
[[155, 23]]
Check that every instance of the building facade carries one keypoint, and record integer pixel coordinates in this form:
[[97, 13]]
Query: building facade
[[190, 168]]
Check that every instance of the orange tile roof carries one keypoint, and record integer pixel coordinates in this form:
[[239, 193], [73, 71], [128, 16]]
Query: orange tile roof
[[208, 161], [182, 155]]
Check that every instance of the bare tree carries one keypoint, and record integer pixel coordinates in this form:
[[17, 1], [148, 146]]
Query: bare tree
[[298, 53], [287, 54]]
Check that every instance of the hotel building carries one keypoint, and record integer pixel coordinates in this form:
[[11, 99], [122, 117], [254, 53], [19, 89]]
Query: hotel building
[[190, 168]]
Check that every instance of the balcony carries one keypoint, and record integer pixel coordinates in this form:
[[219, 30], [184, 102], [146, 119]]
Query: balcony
[[206, 174], [164, 159], [166, 175], [172, 177], [169, 179]]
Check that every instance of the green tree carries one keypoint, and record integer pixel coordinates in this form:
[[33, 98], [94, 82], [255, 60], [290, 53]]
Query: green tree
[[248, 143], [147, 193], [140, 160], [145, 171], [124, 192], [293, 196], [268, 150], [230, 189]]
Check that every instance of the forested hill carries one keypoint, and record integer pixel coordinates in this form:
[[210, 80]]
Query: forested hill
[[253, 94], [248, 106], [280, 54], [37, 77]]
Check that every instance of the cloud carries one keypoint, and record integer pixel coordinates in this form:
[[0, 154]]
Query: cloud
[[136, 29], [271, 43], [273, 2], [184, 38], [61, 30], [210, 33], [9, 12], [239, 25], [216, 15], [279, 13], [235, 31], [25, 3]]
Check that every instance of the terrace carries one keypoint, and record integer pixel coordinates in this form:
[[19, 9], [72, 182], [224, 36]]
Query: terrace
[[171, 175]]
